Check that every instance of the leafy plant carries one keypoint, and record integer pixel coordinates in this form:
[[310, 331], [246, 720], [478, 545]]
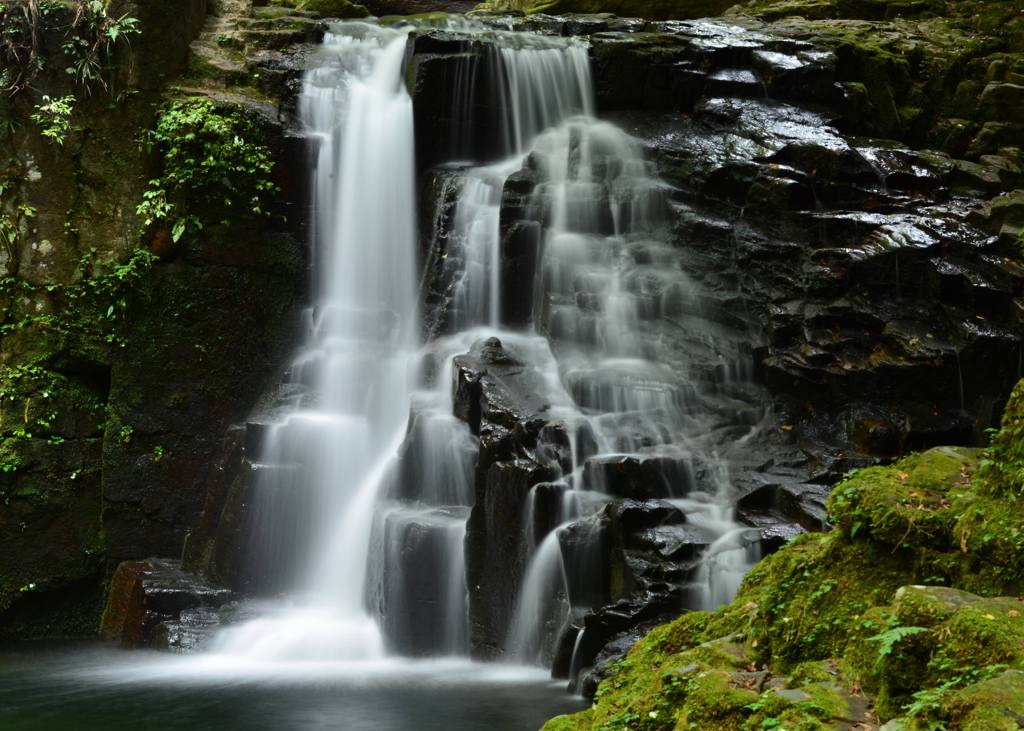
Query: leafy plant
[[92, 41], [13, 218], [89, 44], [926, 707], [54, 117], [213, 168], [21, 28]]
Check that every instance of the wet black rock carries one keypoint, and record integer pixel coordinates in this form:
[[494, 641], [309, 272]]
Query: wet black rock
[[418, 547], [495, 550], [641, 477], [634, 515], [145, 594], [609, 632], [493, 386]]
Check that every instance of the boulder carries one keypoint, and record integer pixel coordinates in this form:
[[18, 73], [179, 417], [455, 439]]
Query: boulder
[[143, 594]]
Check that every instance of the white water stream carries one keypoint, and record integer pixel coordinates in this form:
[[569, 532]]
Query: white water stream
[[361, 346], [377, 561]]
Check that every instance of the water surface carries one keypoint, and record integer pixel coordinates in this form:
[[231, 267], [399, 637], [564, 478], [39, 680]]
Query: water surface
[[91, 688]]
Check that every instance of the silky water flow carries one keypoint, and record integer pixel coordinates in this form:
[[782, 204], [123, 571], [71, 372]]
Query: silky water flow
[[375, 555]]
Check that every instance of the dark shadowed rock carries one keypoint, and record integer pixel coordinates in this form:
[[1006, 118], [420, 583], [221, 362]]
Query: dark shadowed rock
[[640, 478]]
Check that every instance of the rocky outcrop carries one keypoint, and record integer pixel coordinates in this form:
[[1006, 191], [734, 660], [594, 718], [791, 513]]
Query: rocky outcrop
[[495, 395], [871, 266], [876, 282], [118, 373], [653, 9]]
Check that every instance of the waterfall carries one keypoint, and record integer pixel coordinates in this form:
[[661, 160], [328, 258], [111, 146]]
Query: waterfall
[[365, 487], [606, 282], [543, 604], [335, 449]]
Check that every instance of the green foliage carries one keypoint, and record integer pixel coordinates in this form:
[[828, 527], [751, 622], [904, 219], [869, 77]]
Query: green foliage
[[1002, 467], [213, 168], [891, 637], [35, 393], [54, 117], [928, 708], [91, 42], [14, 218]]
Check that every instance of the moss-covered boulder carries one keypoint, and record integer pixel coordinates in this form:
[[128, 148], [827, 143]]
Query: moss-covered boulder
[[652, 9], [908, 612], [326, 8]]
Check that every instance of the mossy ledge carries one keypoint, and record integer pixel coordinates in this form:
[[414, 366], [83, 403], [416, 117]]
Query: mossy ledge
[[908, 613]]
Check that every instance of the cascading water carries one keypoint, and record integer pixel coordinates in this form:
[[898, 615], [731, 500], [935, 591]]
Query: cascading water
[[334, 450], [374, 451], [606, 286]]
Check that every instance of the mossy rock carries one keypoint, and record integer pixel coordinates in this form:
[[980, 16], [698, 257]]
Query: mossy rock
[[651, 9], [333, 8], [1003, 469], [811, 596], [996, 704], [906, 504]]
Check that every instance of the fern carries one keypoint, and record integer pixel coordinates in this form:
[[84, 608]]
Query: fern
[[892, 637]]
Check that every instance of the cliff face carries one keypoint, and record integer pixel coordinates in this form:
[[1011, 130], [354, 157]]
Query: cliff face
[[122, 357]]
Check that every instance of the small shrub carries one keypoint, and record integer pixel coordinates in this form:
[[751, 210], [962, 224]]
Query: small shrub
[[214, 168]]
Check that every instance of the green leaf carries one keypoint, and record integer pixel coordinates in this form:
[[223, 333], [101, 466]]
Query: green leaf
[[178, 230]]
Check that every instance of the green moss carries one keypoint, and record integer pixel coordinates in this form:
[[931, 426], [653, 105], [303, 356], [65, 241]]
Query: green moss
[[996, 704], [814, 671], [333, 8], [906, 504], [713, 701], [652, 9], [811, 707], [986, 632], [831, 617], [582, 721], [1002, 469], [810, 596]]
